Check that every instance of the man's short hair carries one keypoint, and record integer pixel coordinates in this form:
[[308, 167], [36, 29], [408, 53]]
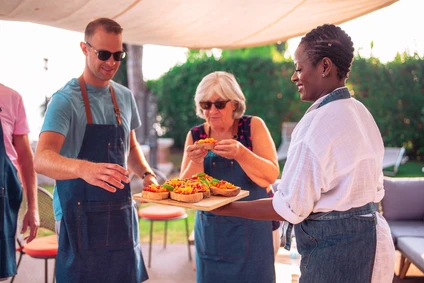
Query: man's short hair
[[108, 25]]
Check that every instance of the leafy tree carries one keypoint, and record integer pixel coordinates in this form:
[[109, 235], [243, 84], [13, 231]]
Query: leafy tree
[[274, 52], [121, 76], [393, 93], [269, 93]]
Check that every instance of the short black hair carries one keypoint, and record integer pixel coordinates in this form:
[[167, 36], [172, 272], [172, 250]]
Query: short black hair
[[330, 41]]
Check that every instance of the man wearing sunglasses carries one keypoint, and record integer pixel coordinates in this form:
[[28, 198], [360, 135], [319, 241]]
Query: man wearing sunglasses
[[88, 144]]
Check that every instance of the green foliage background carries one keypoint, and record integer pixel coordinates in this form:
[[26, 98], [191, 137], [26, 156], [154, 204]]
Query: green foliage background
[[268, 92], [393, 92]]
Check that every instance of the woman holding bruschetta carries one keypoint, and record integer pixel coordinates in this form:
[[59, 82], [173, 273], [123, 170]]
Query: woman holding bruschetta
[[239, 149]]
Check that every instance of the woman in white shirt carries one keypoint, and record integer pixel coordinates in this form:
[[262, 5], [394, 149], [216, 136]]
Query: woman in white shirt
[[333, 174]]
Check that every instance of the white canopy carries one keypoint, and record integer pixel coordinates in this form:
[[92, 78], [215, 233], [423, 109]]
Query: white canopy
[[194, 23]]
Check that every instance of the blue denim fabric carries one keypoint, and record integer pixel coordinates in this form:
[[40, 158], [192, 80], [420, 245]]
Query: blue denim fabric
[[10, 200], [233, 249], [338, 246], [99, 240], [341, 93]]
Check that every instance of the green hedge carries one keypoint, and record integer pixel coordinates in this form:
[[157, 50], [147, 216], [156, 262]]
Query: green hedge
[[393, 93]]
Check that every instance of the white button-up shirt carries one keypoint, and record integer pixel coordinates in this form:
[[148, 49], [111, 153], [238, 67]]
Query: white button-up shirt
[[334, 162]]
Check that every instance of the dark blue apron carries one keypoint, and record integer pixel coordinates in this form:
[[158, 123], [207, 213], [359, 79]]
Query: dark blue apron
[[336, 246], [10, 200], [233, 249], [99, 239]]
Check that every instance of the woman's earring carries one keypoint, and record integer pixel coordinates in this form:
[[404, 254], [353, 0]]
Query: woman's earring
[[323, 75]]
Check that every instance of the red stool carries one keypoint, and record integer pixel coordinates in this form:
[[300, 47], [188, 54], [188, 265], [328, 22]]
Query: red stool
[[44, 248], [163, 213]]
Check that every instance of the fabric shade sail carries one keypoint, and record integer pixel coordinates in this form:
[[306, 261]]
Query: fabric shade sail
[[196, 24]]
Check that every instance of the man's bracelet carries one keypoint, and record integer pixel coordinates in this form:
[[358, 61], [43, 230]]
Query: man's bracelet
[[148, 173]]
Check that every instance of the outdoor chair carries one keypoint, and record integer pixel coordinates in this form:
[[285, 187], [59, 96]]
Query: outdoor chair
[[393, 157], [163, 213], [155, 213], [286, 132], [402, 207], [41, 247]]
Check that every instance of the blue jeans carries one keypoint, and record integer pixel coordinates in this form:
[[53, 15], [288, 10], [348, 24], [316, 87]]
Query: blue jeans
[[337, 246]]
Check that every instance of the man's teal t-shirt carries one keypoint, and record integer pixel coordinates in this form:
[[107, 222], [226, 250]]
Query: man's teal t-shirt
[[66, 115]]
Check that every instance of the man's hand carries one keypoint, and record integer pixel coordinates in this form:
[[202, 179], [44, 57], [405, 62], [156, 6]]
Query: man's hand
[[104, 175], [150, 179], [31, 220]]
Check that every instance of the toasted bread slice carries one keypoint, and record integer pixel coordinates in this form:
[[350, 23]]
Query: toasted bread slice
[[205, 145], [155, 195], [225, 192], [187, 198], [206, 194]]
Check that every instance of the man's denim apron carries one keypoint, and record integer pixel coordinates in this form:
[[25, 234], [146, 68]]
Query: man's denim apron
[[99, 239], [336, 246], [231, 249], [10, 200]]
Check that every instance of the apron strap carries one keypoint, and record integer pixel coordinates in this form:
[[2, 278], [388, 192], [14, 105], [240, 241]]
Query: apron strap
[[341, 93], [332, 215], [87, 102], [115, 106]]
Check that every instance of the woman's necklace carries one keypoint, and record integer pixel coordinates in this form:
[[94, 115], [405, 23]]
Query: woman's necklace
[[234, 130]]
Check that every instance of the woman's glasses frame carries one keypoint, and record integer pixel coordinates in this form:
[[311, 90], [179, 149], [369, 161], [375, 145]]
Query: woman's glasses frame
[[104, 55], [207, 105]]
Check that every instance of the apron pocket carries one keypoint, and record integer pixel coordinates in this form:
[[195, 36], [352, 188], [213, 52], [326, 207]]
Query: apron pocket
[[306, 244], [116, 153], [105, 224]]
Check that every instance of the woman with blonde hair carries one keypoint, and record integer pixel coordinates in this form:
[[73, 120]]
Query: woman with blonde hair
[[231, 249]]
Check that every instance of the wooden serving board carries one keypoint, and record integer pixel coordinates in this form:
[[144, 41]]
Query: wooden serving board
[[206, 204]]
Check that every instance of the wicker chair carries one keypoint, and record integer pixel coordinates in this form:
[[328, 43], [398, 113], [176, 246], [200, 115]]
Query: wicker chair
[[41, 247]]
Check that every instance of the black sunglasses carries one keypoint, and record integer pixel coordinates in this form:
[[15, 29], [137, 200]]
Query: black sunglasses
[[206, 105], [104, 55]]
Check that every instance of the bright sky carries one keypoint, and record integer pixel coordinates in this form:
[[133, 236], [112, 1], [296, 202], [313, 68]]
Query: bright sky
[[393, 29]]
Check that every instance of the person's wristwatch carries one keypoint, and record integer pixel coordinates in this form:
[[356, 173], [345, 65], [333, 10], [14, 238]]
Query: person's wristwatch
[[148, 173]]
